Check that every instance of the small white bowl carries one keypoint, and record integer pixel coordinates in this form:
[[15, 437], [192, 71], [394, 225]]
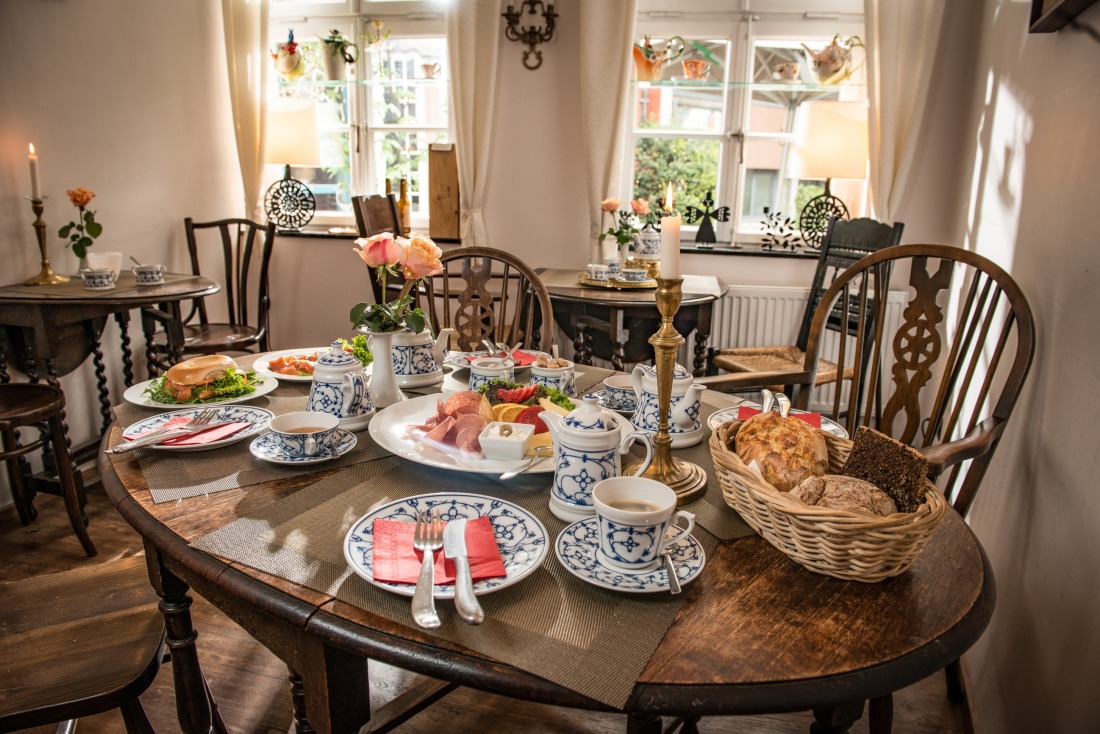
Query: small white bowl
[[509, 447]]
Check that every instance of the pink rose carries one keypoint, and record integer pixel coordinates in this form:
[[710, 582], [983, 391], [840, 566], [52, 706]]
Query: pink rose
[[610, 205], [80, 197], [380, 250], [422, 258], [640, 207]]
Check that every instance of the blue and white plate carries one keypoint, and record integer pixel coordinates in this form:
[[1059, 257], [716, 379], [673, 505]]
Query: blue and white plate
[[719, 417], [577, 548], [601, 397], [520, 536], [460, 360], [265, 448], [258, 417]]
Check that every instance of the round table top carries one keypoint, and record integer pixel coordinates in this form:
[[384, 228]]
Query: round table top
[[611, 296], [756, 632], [176, 286]]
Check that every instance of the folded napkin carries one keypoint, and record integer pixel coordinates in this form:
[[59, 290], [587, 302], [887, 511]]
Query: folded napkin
[[520, 357], [396, 561], [814, 419], [208, 435]]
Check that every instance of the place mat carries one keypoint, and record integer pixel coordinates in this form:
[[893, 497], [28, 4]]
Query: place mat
[[126, 285], [552, 624]]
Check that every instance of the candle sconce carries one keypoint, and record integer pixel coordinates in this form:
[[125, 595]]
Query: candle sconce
[[531, 35]]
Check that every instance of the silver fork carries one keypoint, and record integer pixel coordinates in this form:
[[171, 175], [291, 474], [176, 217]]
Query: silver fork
[[201, 421], [427, 537]]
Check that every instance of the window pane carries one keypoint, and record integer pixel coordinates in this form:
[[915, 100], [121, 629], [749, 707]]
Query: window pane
[[691, 165], [775, 100], [685, 102], [401, 155], [404, 95], [765, 183]]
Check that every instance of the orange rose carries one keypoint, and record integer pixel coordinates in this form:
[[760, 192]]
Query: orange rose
[[610, 205], [422, 258], [640, 207], [80, 197], [380, 250]]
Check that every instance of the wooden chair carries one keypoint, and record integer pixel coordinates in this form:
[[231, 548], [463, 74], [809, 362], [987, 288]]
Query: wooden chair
[[79, 643], [246, 248], [374, 215], [845, 243], [953, 370], [25, 405], [484, 293]]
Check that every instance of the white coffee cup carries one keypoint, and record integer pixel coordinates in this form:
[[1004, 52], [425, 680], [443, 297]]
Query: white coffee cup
[[486, 369], [560, 378], [98, 279], [304, 432], [105, 260], [632, 515], [148, 274]]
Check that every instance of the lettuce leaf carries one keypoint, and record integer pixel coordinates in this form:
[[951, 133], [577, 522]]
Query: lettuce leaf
[[235, 384]]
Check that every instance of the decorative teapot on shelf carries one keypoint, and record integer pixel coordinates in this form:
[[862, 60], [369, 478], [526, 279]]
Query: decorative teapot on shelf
[[340, 388], [417, 359], [589, 443], [649, 60], [684, 424], [833, 64], [290, 60]]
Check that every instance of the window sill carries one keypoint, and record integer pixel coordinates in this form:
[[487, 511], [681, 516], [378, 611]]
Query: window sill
[[750, 249]]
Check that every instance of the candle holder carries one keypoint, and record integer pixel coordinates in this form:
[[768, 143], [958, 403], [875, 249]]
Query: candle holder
[[686, 479], [47, 276]]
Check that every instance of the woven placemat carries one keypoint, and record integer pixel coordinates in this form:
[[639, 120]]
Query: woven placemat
[[591, 640]]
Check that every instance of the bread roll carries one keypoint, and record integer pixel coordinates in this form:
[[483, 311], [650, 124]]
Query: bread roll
[[845, 493], [787, 450]]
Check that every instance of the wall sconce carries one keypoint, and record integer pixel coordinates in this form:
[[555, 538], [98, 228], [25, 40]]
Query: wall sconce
[[532, 35]]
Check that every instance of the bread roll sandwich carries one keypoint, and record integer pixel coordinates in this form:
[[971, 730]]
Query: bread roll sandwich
[[209, 377]]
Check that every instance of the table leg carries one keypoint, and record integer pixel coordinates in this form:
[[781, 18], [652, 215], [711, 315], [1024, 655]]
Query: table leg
[[336, 687], [298, 704], [880, 714], [643, 724], [702, 339], [582, 346], [836, 719], [5, 378], [122, 318], [94, 344], [619, 337]]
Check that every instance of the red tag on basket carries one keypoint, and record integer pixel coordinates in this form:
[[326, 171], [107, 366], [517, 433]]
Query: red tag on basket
[[814, 419], [396, 561]]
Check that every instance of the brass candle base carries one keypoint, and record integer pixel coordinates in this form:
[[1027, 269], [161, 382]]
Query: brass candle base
[[686, 479], [47, 276]]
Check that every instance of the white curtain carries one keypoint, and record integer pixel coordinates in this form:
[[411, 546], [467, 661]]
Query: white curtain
[[245, 23], [902, 38], [606, 37], [473, 33]]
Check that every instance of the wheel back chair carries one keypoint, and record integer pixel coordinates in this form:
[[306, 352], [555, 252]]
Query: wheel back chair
[[845, 243], [946, 381], [374, 215], [246, 248], [491, 294]]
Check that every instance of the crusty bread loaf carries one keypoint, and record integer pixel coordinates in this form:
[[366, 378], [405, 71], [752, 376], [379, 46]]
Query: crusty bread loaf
[[844, 493], [890, 465], [787, 450]]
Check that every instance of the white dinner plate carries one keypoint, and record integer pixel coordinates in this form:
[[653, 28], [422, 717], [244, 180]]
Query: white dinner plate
[[261, 363], [136, 394], [520, 536], [258, 417], [460, 361], [390, 429], [719, 417]]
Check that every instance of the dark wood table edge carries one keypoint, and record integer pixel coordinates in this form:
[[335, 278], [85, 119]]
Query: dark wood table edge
[[212, 578]]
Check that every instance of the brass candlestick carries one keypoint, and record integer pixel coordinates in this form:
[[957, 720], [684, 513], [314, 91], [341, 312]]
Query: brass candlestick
[[47, 276], [686, 479]]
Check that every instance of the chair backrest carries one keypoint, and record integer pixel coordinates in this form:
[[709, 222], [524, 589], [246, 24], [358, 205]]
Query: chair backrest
[[376, 214], [245, 245], [846, 241], [484, 293], [955, 365]]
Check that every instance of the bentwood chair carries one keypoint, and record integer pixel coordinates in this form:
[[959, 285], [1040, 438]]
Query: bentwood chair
[[374, 215], [77, 644], [484, 293], [845, 243], [245, 255], [950, 374]]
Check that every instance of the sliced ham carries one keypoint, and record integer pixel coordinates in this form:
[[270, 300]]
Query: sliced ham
[[438, 434], [467, 442]]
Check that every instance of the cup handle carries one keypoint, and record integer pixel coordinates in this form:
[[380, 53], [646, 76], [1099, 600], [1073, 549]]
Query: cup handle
[[311, 446], [667, 541], [644, 438], [353, 393]]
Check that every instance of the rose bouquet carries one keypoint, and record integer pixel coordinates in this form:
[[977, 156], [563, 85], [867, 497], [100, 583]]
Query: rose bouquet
[[418, 258], [81, 233], [624, 224]]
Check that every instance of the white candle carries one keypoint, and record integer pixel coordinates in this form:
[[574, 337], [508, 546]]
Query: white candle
[[36, 192], [670, 240]]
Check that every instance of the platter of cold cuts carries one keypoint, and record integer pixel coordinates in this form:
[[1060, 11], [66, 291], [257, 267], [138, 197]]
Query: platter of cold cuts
[[442, 432]]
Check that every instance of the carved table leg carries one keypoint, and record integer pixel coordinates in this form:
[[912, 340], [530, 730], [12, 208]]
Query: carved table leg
[[298, 702], [582, 345], [836, 719], [620, 335], [123, 320], [643, 724], [702, 340], [96, 349], [5, 378]]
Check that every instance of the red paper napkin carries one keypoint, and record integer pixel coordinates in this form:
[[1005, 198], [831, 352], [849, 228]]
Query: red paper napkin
[[814, 419], [396, 561], [208, 435], [520, 357]]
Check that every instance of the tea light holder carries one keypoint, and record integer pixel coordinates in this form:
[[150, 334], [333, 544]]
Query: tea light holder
[[47, 276], [686, 479]]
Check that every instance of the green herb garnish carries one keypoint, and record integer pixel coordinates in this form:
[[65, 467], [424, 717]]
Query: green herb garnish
[[554, 395], [359, 350]]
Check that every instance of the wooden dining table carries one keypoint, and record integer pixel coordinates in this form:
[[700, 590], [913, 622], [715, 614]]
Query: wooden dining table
[[754, 633]]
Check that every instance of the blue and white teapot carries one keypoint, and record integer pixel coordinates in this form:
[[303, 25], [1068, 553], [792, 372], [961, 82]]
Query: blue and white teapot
[[589, 444], [340, 388], [684, 424], [417, 360]]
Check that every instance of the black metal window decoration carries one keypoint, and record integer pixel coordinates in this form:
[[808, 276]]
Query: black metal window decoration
[[289, 203], [815, 215], [705, 233], [779, 231], [532, 35]]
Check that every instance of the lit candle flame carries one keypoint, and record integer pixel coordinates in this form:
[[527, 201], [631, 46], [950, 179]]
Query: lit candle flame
[[668, 198], [31, 147]]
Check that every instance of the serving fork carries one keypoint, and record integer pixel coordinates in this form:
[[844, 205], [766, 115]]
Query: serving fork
[[427, 537], [202, 421]]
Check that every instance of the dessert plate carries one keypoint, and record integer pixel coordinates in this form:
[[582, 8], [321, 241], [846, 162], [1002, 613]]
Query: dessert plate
[[719, 417], [258, 417], [265, 448]]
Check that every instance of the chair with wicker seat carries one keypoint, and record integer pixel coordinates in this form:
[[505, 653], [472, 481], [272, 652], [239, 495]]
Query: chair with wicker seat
[[845, 242], [374, 215]]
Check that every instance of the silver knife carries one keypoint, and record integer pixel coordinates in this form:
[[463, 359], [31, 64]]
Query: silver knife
[[454, 547]]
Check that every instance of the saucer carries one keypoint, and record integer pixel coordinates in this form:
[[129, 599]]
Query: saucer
[[265, 448], [422, 380], [577, 548], [601, 396]]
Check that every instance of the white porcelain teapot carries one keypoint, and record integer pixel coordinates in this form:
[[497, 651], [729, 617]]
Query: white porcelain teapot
[[588, 446], [340, 388], [684, 424], [417, 360]]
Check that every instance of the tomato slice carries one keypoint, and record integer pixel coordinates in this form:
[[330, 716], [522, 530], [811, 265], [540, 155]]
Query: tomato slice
[[530, 416]]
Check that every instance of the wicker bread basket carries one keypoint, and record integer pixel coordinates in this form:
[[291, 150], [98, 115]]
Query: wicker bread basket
[[837, 543]]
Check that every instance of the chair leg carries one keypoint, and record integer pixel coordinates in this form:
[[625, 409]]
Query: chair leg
[[68, 485], [880, 715], [955, 690], [23, 505], [133, 716]]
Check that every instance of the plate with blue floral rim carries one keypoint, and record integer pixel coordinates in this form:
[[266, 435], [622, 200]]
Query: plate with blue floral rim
[[521, 538], [461, 361], [719, 417], [258, 417], [577, 548], [601, 398], [267, 449]]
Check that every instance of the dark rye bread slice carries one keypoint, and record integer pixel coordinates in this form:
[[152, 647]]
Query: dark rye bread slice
[[896, 469]]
